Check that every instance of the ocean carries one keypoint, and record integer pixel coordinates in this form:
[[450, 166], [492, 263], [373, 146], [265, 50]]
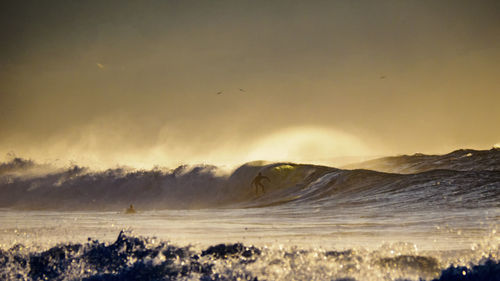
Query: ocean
[[409, 217]]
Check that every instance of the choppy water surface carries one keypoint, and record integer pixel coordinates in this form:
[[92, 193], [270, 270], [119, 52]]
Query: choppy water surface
[[259, 226]]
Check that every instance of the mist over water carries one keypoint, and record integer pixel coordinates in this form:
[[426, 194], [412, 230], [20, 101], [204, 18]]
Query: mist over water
[[104, 148], [102, 84]]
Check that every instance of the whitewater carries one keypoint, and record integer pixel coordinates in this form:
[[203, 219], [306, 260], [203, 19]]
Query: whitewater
[[409, 217]]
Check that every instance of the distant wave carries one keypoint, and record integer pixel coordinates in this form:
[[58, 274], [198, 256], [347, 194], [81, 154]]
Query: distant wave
[[459, 160], [27, 185], [138, 258]]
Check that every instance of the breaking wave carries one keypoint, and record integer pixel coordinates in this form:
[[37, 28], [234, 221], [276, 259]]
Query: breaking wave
[[27, 185]]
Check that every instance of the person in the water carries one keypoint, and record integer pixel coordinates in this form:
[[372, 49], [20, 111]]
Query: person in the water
[[257, 181], [130, 210]]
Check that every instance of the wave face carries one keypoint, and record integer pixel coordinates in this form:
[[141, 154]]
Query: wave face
[[138, 258], [27, 185]]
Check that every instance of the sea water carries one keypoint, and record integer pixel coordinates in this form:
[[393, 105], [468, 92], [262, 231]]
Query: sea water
[[312, 223]]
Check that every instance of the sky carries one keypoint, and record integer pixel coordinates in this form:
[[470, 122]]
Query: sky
[[146, 83]]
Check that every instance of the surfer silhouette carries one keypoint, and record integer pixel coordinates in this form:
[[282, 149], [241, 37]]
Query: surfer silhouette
[[257, 181], [130, 210]]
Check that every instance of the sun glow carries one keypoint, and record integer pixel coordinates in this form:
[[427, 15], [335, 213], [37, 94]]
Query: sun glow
[[307, 144]]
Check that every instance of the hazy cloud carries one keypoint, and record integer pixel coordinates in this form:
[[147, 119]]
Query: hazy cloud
[[385, 76]]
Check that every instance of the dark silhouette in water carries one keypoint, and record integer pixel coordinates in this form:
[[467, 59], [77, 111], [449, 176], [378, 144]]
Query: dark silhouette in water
[[130, 210], [257, 181]]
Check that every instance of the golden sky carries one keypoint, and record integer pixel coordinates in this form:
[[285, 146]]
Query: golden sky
[[167, 82]]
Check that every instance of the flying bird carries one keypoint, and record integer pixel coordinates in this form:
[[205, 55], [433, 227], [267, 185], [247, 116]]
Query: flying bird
[[241, 90], [382, 77], [220, 93], [100, 65]]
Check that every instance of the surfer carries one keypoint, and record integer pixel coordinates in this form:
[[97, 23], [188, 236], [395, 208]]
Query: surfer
[[257, 181], [130, 210]]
